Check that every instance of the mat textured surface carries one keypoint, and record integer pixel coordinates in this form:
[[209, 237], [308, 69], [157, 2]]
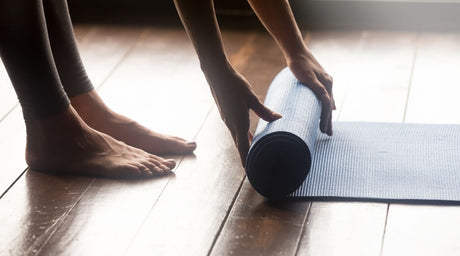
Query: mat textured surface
[[368, 161]]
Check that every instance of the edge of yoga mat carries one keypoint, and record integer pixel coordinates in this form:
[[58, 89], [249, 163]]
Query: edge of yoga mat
[[285, 159], [371, 200]]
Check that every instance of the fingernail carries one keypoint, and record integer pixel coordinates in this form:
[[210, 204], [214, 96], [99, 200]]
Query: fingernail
[[191, 143], [276, 115], [170, 160]]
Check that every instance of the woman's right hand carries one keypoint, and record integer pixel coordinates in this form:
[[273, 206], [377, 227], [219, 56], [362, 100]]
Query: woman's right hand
[[234, 98]]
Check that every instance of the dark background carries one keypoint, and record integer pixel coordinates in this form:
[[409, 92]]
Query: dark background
[[361, 14]]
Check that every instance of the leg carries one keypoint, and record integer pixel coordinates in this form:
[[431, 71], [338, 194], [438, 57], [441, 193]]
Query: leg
[[85, 99], [57, 139]]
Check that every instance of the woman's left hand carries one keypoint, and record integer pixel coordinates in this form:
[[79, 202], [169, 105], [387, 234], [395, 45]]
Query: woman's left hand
[[310, 73]]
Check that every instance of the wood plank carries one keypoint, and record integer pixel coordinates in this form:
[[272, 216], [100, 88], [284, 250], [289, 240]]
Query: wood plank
[[14, 237], [8, 99], [336, 51], [13, 132], [429, 230], [422, 230], [163, 75], [104, 47], [381, 77], [33, 208], [380, 69], [12, 146], [192, 207], [197, 212], [343, 228], [158, 82], [81, 31], [435, 87], [256, 226]]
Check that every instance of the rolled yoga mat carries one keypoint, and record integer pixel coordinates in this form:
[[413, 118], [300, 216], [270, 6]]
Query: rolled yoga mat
[[363, 161]]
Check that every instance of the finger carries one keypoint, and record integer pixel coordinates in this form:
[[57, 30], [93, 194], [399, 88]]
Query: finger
[[326, 104], [329, 127], [326, 114], [327, 81], [242, 143], [262, 111]]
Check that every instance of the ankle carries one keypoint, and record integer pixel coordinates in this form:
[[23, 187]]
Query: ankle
[[89, 104], [54, 128]]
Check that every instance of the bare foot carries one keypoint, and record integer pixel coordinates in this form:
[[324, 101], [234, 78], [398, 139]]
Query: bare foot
[[64, 143], [96, 114]]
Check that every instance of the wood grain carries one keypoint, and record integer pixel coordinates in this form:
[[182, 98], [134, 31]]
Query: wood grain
[[381, 77], [8, 99], [152, 75], [254, 226], [429, 230], [200, 196], [379, 68], [193, 206], [343, 228], [12, 129], [12, 146], [104, 47], [163, 75], [422, 230], [435, 84], [30, 241], [81, 32]]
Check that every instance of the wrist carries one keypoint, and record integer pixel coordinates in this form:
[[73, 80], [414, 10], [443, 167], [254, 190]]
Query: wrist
[[298, 55], [214, 70]]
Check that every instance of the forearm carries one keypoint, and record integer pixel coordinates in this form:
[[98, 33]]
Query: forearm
[[199, 19], [277, 17]]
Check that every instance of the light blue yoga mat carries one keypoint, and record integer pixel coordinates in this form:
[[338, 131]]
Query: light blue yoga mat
[[361, 161]]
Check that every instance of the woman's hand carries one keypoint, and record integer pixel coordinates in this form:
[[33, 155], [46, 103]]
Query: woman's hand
[[277, 17], [309, 72], [234, 97]]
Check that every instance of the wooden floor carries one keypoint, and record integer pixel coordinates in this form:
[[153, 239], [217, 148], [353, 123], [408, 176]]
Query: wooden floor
[[207, 207]]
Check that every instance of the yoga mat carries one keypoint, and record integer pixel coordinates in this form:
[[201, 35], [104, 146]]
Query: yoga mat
[[364, 161]]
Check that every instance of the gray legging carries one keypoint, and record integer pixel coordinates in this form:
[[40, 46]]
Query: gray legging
[[38, 48]]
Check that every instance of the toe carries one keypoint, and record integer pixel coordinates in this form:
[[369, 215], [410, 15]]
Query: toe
[[191, 146], [145, 171], [169, 163], [125, 171], [158, 170], [182, 147]]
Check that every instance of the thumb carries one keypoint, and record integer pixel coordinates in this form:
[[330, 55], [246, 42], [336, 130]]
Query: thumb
[[242, 142], [262, 111]]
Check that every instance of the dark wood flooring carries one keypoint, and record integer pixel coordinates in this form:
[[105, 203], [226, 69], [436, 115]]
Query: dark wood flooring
[[207, 207]]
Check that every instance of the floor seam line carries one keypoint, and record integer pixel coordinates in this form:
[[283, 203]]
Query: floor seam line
[[382, 243], [411, 75], [166, 185], [304, 228], [227, 215]]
